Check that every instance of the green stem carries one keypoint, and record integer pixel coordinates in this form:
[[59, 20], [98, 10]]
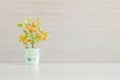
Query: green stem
[[32, 43]]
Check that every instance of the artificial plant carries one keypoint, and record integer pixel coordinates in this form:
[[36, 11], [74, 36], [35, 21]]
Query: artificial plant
[[32, 32]]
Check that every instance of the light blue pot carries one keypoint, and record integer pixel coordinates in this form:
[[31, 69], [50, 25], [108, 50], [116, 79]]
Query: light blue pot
[[32, 56]]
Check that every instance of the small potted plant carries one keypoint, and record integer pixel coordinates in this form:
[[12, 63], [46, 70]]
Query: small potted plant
[[32, 34]]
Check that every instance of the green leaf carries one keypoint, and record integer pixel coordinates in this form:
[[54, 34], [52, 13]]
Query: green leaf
[[24, 25], [39, 23], [27, 20], [24, 37], [37, 18], [25, 32], [20, 24], [46, 34], [39, 28]]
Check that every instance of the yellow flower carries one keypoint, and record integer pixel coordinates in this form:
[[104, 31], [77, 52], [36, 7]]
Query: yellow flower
[[21, 36], [43, 37], [28, 27], [33, 29], [33, 24], [26, 40]]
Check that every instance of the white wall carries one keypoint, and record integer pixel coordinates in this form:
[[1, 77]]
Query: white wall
[[81, 30]]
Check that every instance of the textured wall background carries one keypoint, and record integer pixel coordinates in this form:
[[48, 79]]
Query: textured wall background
[[81, 30]]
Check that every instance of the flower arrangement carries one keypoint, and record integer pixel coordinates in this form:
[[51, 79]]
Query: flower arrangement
[[32, 32]]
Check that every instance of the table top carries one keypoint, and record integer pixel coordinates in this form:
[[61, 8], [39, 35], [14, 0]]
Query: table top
[[60, 71]]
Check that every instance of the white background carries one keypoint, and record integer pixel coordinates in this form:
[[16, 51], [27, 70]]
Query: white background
[[81, 30]]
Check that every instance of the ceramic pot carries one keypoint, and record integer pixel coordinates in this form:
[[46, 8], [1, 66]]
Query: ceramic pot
[[32, 56]]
